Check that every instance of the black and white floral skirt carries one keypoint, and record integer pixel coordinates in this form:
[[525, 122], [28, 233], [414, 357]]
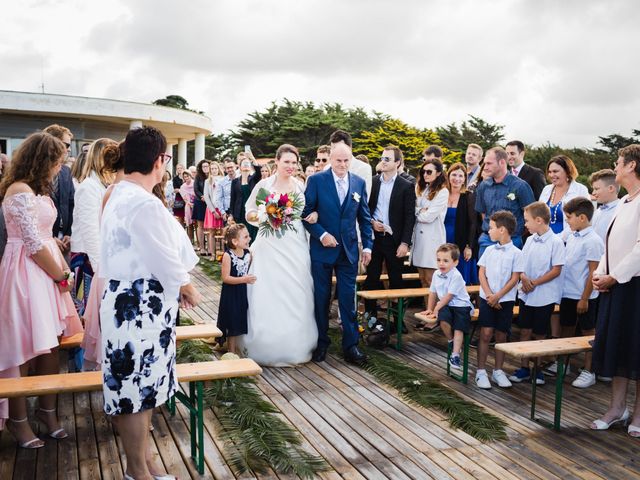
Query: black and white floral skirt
[[139, 345]]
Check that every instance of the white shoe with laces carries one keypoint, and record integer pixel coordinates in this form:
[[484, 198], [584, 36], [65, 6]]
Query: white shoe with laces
[[584, 380], [482, 380], [500, 379]]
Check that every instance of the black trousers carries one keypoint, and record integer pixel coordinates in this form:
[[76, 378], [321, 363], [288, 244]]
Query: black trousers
[[384, 249]]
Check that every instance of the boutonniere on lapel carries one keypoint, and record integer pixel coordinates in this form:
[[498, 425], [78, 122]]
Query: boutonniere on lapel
[[511, 196], [356, 196]]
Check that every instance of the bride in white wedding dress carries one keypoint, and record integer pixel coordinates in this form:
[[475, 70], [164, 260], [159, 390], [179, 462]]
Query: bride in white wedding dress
[[281, 324]]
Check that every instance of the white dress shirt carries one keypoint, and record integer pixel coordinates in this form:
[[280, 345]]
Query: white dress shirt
[[541, 253], [582, 247], [499, 262], [381, 213], [451, 282], [602, 217]]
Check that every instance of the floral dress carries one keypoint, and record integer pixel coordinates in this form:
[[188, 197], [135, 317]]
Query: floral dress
[[146, 257]]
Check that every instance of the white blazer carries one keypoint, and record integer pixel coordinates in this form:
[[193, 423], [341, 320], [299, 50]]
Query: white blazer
[[575, 190], [85, 230]]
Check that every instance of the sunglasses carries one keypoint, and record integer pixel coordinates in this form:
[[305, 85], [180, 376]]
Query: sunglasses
[[68, 145], [428, 171], [167, 158], [386, 159], [321, 160]]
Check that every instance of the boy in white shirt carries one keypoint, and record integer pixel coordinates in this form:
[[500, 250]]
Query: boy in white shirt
[[579, 304], [605, 193], [541, 281], [500, 269], [453, 308]]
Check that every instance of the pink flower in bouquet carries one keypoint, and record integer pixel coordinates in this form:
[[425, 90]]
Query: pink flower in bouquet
[[288, 211], [284, 198]]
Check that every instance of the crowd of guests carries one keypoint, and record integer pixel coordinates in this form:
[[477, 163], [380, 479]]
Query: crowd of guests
[[99, 242]]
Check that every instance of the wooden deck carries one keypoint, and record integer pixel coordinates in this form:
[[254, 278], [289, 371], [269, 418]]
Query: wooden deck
[[359, 426]]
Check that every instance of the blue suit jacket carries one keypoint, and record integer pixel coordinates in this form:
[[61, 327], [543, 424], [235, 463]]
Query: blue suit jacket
[[338, 220]]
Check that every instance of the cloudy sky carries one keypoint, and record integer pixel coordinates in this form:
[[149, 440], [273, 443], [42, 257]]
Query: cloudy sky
[[563, 72]]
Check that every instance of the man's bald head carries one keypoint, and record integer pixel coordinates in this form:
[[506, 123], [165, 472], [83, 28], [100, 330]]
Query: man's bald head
[[340, 158]]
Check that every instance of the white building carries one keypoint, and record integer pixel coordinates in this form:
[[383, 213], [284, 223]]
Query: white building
[[22, 113]]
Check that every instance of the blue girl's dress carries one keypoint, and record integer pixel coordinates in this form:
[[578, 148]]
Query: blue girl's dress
[[468, 269], [232, 312], [557, 217]]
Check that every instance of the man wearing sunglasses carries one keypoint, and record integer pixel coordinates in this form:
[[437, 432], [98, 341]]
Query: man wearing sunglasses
[[322, 157], [63, 193], [392, 205]]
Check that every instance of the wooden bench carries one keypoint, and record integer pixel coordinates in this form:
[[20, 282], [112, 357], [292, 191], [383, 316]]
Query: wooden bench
[[467, 339], [402, 295], [185, 332], [195, 374], [384, 277], [532, 350]]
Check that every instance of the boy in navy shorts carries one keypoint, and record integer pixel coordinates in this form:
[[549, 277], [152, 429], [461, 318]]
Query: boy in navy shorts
[[579, 304], [453, 308], [541, 281], [500, 269]]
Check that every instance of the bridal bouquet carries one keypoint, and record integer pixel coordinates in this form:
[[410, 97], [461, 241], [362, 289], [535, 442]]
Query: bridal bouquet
[[276, 212]]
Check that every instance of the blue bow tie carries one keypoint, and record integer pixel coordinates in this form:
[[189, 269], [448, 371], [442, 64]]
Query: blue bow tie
[[538, 239], [604, 206], [442, 275], [500, 247], [576, 234]]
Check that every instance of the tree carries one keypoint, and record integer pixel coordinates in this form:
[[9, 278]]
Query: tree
[[412, 141], [476, 130], [612, 143], [303, 124], [175, 101]]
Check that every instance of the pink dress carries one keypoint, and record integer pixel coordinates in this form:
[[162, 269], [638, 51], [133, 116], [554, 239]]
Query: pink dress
[[34, 312], [188, 195]]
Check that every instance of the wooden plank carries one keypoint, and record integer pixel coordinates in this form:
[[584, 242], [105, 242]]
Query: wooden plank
[[68, 467], [8, 448], [87, 381], [393, 294], [167, 450], [183, 332], [384, 277], [541, 348]]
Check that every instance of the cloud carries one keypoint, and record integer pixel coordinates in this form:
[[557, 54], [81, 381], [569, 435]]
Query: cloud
[[563, 72]]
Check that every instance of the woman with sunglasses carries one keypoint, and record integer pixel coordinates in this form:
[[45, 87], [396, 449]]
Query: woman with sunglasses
[[431, 208]]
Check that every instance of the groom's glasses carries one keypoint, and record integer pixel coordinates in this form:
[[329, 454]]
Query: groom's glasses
[[386, 159]]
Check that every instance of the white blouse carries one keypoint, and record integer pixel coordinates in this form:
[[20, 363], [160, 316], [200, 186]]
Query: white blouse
[[575, 190], [85, 230], [140, 239], [622, 245]]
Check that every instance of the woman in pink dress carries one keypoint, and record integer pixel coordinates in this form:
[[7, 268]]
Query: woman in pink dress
[[186, 190], [35, 281]]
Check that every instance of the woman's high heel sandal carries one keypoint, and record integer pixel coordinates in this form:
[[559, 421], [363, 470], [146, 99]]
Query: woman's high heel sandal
[[633, 431], [58, 434], [35, 442], [602, 425]]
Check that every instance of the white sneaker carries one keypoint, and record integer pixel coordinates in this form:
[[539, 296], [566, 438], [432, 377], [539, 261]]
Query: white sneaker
[[552, 369], [604, 379], [584, 380], [482, 380], [500, 378]]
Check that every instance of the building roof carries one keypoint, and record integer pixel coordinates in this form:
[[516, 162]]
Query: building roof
[[173, 122]]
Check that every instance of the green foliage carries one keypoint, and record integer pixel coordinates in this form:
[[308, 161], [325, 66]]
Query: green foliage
[[303, 124], [211, 269], [255, 436], [412, 141], [612, 143], [174, 101], [417, 387], [476, 130], [192, 351]]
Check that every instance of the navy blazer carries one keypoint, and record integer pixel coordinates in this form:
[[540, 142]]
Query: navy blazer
[[63, 200], [339, 220]]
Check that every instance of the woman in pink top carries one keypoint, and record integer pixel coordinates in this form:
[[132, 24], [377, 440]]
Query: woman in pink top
[[34, 281]]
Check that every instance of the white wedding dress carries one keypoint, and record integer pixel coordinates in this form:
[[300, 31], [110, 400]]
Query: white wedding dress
[[281, 322]]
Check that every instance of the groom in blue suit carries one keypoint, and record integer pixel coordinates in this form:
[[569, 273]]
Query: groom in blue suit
[[339, 198]]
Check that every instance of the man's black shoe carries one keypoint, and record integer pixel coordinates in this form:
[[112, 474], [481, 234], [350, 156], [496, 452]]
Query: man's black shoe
[[355, 356], [319, 354]]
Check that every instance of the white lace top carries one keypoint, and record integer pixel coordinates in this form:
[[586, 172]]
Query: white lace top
[[140, 239], [22, 213]]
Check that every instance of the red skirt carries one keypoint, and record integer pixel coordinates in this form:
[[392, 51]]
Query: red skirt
[[211, 222]]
